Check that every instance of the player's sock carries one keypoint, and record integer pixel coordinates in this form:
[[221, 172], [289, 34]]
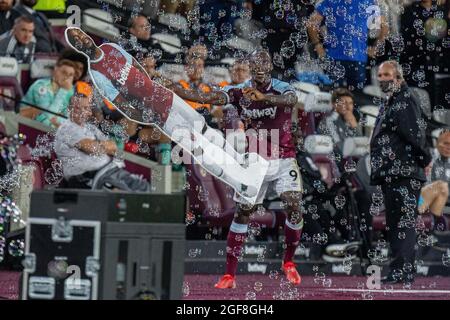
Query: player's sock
[[292, 233], [235, 239]]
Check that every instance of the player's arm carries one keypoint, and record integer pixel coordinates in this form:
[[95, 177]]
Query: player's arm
[[213, 97], [288, 99]]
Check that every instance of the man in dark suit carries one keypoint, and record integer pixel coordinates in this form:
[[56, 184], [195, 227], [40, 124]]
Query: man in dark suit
[[43, 32], [6, 21], [399, 155]]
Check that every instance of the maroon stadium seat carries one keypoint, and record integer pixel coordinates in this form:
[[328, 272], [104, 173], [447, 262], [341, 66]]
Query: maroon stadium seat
[[9, 86], [214, 201]]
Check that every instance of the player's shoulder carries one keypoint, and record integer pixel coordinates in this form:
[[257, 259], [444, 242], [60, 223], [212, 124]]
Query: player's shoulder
[[110, 46], [239, 86], [281, 86]]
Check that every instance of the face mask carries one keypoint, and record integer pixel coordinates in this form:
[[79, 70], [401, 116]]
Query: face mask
[[387, 86]]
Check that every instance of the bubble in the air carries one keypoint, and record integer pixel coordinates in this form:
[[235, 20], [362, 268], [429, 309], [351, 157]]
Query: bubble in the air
[[16, 248]]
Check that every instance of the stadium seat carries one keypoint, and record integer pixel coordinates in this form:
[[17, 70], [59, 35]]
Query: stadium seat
[[240, 44], [169, 42], [174, 72], [213, 200], [100, 23], [373, 90], [319, 147], [42, 66], [174, 21], [216, 74], [9, 84], [370, 114]]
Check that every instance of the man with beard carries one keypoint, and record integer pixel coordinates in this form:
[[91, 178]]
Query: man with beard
[[399, 155], [264, 105]]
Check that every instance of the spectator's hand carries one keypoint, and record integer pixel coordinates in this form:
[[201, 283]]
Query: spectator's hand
[[253, 94], [372, 52], [110, 147], [54, 121], [320, 50]]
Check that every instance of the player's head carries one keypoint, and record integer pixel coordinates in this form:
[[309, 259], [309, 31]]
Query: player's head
[[81, 42], [390, 76], [342, 101], [443, 143], [261, 66]]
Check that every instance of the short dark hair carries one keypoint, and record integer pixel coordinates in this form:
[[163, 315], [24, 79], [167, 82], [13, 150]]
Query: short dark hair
[[339, 93], [23, 18]]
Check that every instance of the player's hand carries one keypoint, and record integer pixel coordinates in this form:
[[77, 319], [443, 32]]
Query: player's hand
[[54, 121], [372, 52], [254, 94]]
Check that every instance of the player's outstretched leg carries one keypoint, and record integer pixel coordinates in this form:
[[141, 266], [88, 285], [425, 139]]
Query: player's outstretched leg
[[198, 124], [235, 241], [246, 190], [292, 231]]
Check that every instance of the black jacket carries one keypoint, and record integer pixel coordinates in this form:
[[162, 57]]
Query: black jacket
[[45, 41], [400, 149]]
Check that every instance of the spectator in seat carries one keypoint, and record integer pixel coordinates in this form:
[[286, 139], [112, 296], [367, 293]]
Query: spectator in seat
[[43, 32], [19, 43], [343, 121], [239, 72], [140, 43], [195, 68], [434, 195], [6, 21], [87, 155], [52, 94]]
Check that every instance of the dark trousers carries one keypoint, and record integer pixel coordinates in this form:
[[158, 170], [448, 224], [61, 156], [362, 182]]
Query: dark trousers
[[401, 212]]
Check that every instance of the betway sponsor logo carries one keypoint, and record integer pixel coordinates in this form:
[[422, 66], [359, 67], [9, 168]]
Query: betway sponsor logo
[[254, 250], [423, 270], [259, 113], [339, 268], [124, 73], [257, 267]]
